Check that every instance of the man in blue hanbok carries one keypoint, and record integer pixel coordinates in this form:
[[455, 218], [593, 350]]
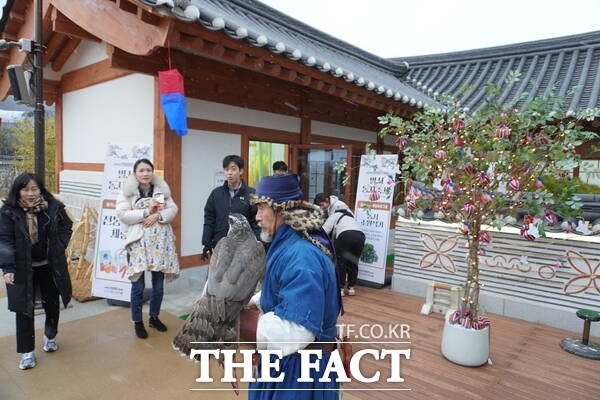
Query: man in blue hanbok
[[300, 300]]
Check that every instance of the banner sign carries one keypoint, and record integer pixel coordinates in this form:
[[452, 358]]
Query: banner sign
[[374, 198], [110, 266]]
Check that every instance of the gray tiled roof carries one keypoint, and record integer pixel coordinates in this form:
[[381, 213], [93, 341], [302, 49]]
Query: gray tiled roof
[[558, 63], [263, 26]]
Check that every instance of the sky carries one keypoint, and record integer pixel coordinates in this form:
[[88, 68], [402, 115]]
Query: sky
[[397, 28]]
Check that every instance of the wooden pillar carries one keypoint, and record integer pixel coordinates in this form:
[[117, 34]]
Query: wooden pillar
[[167, 157], [305, 128], [245, 154]]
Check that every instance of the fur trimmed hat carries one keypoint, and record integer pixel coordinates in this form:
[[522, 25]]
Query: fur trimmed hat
[[283, 194]]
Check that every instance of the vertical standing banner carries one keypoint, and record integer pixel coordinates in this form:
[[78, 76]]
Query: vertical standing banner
[[110, 265], [374, 198]]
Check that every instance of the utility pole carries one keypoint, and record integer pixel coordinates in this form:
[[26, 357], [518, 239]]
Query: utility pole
[[39, 114]]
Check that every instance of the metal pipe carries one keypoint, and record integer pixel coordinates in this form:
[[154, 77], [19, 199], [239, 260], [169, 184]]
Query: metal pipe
[[38, 66]]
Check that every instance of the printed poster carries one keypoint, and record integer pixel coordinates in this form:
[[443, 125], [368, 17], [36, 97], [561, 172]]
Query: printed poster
[[110, 266], [374, 198]]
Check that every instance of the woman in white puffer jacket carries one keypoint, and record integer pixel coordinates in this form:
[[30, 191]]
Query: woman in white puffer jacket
[[145, 208]]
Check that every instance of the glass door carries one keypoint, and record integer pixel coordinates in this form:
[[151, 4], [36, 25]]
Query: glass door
[[323, 169]]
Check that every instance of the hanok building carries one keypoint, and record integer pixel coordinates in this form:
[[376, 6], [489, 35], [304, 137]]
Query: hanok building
[[257, 82], [252, 76]]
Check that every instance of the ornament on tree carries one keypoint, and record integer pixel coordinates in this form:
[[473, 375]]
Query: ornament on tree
[[469, 169], [458, 125], [485, 237], [421, 159], [539, 183], [413, 192], [514, 184], [465, 228], [402, 142], [469, 207], [449, 188], [437, 184], [486, 196], [550, 218], [411, 204], [459, 142], [482, 179], [439, 154], [503, 131], [530, 232]]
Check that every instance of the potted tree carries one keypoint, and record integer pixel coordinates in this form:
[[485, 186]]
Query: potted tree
[[475, 169]]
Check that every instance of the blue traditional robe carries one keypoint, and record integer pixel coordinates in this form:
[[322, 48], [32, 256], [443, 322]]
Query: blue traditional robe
[[300, 286]]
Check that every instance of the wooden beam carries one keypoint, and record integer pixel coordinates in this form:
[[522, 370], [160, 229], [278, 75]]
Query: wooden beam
[[56, 42], [9, 36], [305, 130], [75, 166], [273, 69], [148, 65], [121, 29], [62, 24], [377, 101], [253, 132], [17, 17], [191, 261], [90, 75], [65, 53], [51, 91]]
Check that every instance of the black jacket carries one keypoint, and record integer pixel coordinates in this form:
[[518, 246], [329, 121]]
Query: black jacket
[[15, 254], [218, 207]]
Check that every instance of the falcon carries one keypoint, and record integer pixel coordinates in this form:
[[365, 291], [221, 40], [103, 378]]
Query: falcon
[[236, 266]]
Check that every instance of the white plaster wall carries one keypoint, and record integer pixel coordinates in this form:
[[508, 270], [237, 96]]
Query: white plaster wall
[[243, 116], [202, 155], [343, 132], [85, 54], [121, 110]]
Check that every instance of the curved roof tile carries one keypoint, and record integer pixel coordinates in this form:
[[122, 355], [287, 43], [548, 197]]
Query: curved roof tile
[[556, 64], [298, 41]]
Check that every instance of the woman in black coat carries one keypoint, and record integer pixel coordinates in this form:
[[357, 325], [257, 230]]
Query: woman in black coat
[[34, 232]]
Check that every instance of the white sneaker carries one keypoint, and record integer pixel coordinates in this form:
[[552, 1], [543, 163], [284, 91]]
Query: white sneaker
[[351, 291], [27, 360], [50, 345], [342, 293]]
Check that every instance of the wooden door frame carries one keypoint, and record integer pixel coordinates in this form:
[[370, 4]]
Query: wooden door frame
[[294, 148]]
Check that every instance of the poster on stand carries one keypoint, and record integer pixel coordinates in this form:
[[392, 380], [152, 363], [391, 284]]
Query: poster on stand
[[110, 257], [373, 211]]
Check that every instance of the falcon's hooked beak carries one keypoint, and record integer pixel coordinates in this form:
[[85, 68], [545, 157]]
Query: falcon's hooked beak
[[231, 220]]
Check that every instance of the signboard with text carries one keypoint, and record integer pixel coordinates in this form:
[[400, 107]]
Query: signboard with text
[[110, 266], [374, 198]]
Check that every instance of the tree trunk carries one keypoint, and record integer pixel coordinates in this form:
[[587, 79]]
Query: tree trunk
[[470, 298]]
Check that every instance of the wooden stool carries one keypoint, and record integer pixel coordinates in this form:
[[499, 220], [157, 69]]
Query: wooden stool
[[583, 347]]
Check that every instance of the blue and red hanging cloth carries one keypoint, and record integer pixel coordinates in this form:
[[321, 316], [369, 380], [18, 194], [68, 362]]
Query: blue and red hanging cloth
[[172, 99]]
